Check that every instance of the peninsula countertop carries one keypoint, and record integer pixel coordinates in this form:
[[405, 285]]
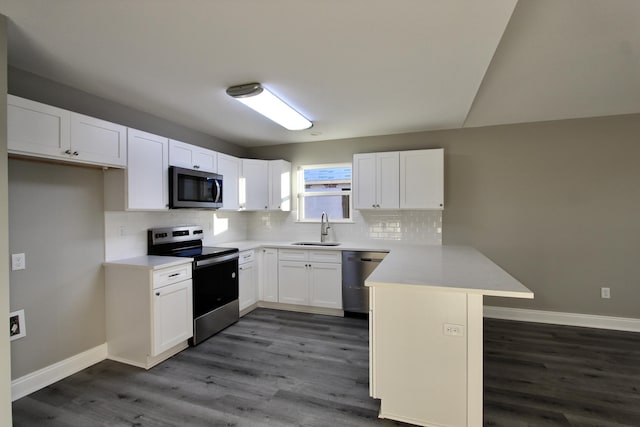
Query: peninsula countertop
[[447, 268], [444, 267]]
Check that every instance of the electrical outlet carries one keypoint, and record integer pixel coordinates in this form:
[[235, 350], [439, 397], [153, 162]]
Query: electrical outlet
[[453, 330], [605, 293], [18, 262], [17, 328]]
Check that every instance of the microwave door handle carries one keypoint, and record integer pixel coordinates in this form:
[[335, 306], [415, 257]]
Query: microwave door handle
[[218, 195]]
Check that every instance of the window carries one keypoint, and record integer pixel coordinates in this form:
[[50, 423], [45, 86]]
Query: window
[[324, 188]]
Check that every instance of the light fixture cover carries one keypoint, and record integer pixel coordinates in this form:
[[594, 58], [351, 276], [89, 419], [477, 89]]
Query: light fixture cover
[[258, 98]]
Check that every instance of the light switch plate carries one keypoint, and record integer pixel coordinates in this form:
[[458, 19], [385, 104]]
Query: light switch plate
[[18, 262]]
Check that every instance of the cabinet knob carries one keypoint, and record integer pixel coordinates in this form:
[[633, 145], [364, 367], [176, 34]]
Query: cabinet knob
[[157, 294], [196, 166], [67, 152], [75, 153]]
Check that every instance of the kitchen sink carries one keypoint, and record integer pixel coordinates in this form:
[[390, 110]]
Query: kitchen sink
[[316, 244]]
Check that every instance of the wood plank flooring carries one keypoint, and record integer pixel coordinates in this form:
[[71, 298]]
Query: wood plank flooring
[[276, 368]]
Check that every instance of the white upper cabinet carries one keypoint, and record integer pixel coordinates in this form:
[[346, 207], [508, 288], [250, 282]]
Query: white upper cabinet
[[191, 156], [40, 130], [422, 179], [147, 171], [279, 185], [265, 185], [98, 141], [254, 185], [399, 180], [229, 168], [375, 180]]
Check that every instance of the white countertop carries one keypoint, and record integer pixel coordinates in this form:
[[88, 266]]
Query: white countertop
[[150, 262], [449, 268], [245, 245]]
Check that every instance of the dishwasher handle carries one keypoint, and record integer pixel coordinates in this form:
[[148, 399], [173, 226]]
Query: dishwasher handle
[[369, 260]]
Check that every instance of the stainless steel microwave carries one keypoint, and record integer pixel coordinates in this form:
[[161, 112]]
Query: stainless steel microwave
[[194, 189]]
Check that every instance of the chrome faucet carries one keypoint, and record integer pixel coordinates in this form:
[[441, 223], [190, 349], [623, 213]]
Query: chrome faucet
[[324, 228]]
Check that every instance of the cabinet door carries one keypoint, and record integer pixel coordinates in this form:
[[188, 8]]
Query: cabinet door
[[269, 275], [229, 168], [147, 171], [293, 278], [172, 316], [325, 285], [279, 185], [387, 180], [254, 188], [191, 156], [98, 141], [422, 179], [248, 285], [37, 129], [364, 181]]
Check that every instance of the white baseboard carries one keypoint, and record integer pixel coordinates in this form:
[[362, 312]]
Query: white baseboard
[[558, 318], [41, 378]]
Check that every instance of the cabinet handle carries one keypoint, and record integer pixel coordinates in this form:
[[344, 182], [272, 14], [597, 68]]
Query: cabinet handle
[[157, 294], [75, 153], [196, 166], [373, 206], [174, 274]]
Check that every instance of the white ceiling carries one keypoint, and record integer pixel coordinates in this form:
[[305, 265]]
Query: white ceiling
[[353, 67]]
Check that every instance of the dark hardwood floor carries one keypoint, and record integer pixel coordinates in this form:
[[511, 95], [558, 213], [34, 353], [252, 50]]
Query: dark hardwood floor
[[276, 368]]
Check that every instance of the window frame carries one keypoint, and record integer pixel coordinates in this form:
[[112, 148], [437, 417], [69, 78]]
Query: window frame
[[301, 194]]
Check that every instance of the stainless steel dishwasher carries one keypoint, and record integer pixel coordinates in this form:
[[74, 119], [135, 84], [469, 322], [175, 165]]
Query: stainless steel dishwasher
[[356, 267]]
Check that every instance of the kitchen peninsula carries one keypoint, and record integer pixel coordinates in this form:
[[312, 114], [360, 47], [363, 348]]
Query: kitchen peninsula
[[425, 329]]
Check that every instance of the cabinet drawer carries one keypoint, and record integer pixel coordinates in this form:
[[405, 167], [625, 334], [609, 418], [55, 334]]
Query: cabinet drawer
[[170, 275], [246, 256], [325, 256], [292, 255]]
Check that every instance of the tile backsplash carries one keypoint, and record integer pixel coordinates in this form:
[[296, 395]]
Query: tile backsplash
[[126, 232], [409, 226]]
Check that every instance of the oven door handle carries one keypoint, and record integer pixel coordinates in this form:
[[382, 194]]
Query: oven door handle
[[216, 260]]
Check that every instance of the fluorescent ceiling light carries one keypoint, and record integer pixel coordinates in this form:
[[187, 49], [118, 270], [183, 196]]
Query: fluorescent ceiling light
[[254, 96]]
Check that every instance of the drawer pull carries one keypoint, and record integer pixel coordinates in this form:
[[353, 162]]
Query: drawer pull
[[174, 274]]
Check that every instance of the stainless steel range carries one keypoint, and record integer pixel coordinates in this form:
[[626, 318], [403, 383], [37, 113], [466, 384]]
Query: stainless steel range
[[215, 277]]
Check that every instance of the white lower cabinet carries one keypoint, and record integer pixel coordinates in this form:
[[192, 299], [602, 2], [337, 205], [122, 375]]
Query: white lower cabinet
[[149, 311], [269, 275], [308, 277], [247, 280], [172, 318]]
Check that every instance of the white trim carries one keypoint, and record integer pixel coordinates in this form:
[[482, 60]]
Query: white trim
[[48, 375], [559, 318]]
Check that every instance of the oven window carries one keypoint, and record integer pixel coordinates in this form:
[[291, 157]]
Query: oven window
[[214, 286]]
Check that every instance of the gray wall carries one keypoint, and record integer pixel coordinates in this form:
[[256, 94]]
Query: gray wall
[[34, 87], [5, 363], [554, 203], [56, 218]]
